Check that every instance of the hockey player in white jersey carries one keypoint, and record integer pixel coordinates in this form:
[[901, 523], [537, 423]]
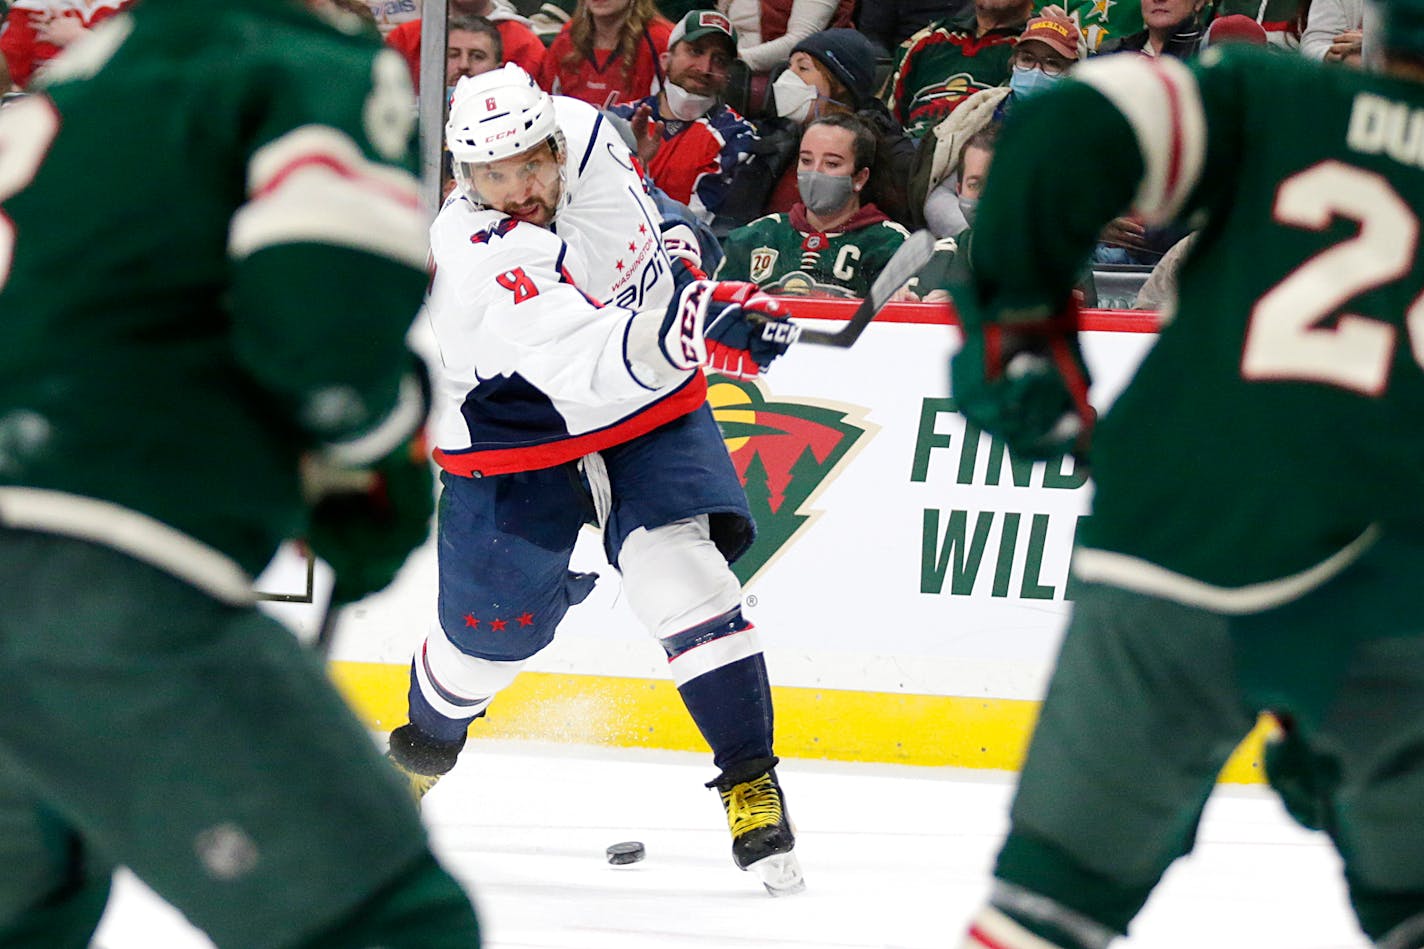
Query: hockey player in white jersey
[[571, 388]]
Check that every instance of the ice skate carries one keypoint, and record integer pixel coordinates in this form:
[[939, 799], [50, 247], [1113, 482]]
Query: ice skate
[[762, 835], [420, 759]]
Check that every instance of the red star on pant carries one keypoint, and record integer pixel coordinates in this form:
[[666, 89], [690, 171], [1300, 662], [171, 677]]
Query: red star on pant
[[526, 619], [471, 622], [632, 246], [498, 625], [619, 265], [642, 228]]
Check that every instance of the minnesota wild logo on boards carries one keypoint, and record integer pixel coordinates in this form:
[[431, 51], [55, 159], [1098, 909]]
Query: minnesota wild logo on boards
[[786, 452]]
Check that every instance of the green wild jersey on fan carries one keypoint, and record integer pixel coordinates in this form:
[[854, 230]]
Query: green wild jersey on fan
[[1278, 416], [169, 362], [779, 254]]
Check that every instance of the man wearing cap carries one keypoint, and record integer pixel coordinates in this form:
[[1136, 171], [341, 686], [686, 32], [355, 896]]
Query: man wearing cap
[[695, 141], [951, 59]]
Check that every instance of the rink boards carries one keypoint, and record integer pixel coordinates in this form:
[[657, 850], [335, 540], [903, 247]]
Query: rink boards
[[907, 583]]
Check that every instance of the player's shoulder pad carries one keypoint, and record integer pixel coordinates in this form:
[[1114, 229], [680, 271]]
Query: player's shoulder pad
[[585, 133]]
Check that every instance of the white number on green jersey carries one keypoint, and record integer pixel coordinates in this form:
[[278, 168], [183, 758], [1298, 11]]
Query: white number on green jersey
[[26, 129], [1285, 338]]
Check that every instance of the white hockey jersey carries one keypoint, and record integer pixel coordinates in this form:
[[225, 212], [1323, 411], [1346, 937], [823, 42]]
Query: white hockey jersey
[[543, 356]]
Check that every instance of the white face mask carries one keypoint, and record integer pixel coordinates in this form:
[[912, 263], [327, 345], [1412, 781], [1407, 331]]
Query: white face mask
[[685, 105], [793, 96]]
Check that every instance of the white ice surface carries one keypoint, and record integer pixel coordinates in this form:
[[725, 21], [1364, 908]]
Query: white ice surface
[[894, 857]]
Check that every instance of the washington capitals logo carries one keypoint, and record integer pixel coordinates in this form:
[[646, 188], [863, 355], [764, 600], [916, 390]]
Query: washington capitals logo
[[786, 453]]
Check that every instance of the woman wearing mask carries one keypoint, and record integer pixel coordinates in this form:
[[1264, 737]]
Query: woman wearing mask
[[831, 242], [830, 73], [608, 52]]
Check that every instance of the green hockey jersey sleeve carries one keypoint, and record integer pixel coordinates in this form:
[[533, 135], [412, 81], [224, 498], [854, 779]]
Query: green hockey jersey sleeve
[[331, 238], [1134, 130]]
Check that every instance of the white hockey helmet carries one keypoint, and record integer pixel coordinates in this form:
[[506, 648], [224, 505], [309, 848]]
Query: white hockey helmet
[[497, 115]]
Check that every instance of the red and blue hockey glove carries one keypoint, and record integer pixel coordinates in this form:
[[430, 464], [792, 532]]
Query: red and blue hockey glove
[[365, 519], [1021, 376], [729, 327]]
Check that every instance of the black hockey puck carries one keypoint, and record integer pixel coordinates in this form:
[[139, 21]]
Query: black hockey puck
[[629, 851]]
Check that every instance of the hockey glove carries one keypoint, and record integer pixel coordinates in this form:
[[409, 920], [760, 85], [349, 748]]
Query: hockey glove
[[364, 521], [1024, 380], [729, 327]]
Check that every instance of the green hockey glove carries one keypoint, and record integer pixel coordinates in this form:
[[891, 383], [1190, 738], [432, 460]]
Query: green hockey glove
[[1022, 377], [365, 522]]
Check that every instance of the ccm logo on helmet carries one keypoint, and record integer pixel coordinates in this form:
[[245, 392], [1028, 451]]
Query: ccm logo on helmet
[[499, 135]]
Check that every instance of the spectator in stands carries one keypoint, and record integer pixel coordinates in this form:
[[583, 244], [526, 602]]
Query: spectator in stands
[[949, 210], [1235, 28], [1173, 28], [36, 31], [473, 45], [1282, 20], [888, 23], [951, 59], [1334, 30], [830, 243], [1159, 290], [517, 42], [770, 29], [693, 142], [1049, 45], [549, 16], [610, 51], [390, 14], [831, 72], [1102, 22]]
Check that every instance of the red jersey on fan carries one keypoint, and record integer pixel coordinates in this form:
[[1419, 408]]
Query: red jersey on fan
[[21, 46], [594, 79], [521, 46]]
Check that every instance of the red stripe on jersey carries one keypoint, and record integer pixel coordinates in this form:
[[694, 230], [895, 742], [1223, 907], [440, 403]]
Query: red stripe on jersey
[[405, 198], [978, 937], [1174, 116], [497, 461]]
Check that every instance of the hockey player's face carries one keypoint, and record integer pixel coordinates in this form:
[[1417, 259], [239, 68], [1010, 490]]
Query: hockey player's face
[[527, 186]]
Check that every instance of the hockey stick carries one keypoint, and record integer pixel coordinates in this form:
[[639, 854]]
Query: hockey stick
[[907, 261], [326, 631]]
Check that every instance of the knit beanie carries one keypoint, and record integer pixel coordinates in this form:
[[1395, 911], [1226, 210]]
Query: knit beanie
[[849, 56]]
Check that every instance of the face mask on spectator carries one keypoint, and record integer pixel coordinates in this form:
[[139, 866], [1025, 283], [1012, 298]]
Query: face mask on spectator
[[686, 105], [941, 209], [823, 193], [793, 96], [968, 207], [1026, 81]]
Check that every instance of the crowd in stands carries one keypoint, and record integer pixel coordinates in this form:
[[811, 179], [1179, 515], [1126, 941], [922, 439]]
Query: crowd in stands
[[802, 137]]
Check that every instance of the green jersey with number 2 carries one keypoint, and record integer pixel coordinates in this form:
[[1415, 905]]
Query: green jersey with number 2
[[1276, 423]]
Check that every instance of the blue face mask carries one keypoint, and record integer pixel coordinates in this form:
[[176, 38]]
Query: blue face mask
[[1025, 82]]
